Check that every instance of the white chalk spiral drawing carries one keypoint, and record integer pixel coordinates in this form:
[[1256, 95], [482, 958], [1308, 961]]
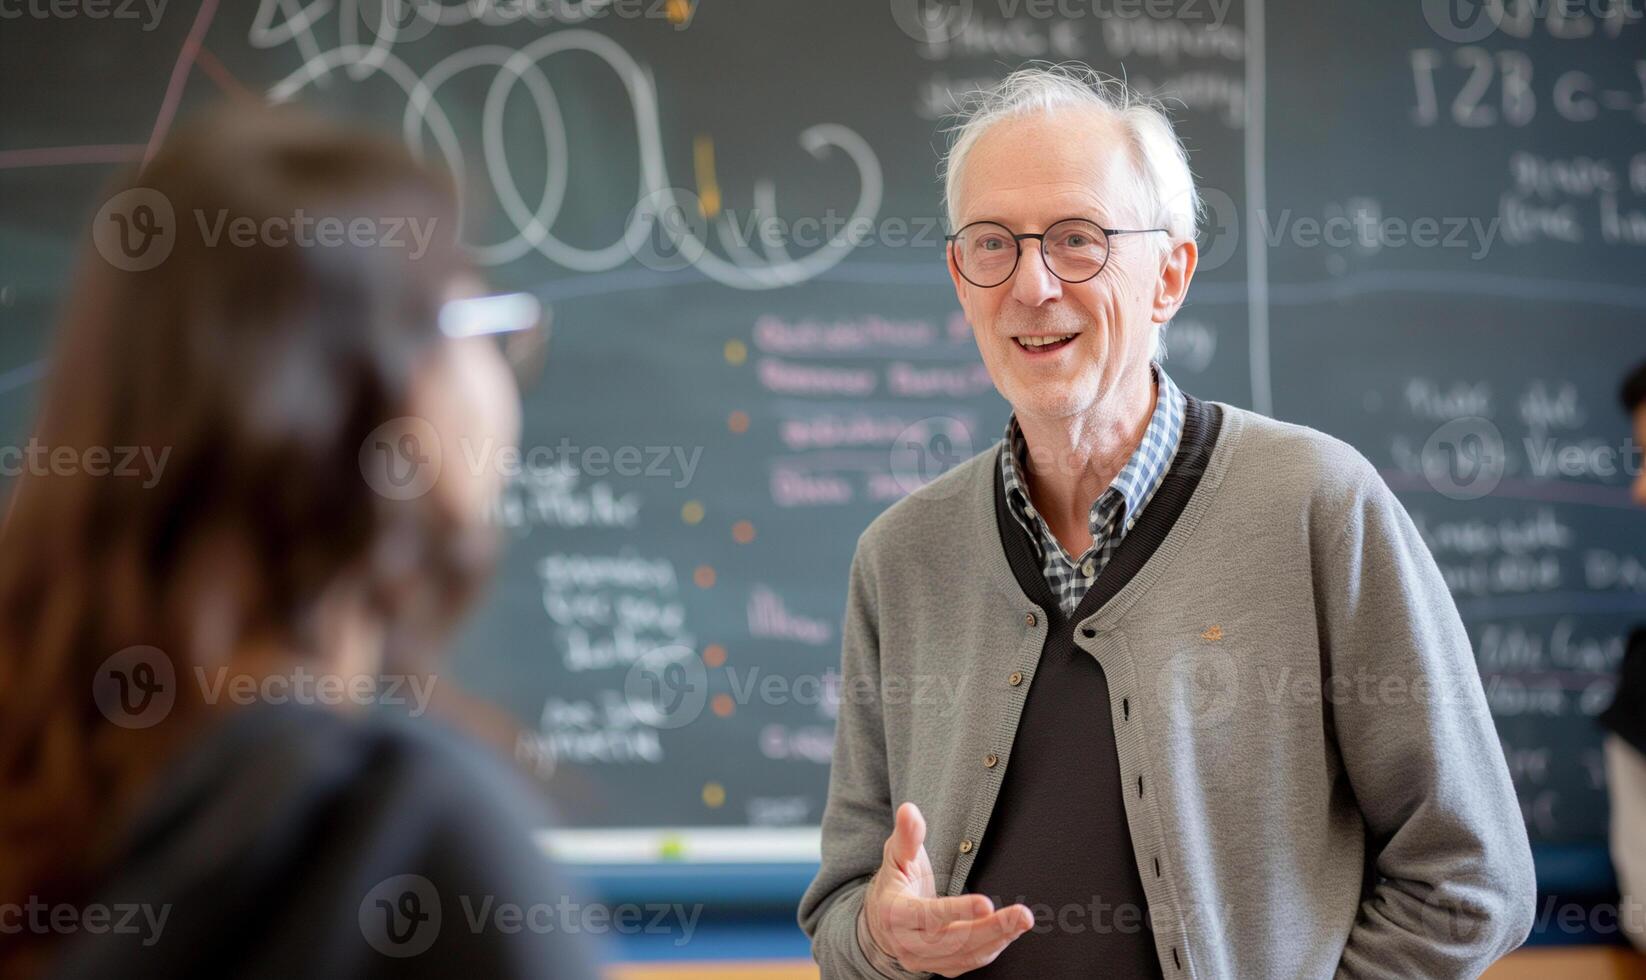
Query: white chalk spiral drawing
[[282, 22]]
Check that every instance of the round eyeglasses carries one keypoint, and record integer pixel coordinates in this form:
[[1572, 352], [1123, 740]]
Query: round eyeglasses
[[1073, 249]]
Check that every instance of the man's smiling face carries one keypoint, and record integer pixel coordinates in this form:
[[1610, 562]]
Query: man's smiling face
[[1026, 174]]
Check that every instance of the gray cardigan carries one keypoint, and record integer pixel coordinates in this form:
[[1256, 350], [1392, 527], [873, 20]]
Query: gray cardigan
[[1323, 787]]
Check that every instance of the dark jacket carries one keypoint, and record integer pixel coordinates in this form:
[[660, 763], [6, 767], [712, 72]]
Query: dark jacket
[[296, 842], [1626, 715]]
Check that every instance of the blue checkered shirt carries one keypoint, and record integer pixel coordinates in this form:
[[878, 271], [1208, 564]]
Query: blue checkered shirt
[[1115, 510]]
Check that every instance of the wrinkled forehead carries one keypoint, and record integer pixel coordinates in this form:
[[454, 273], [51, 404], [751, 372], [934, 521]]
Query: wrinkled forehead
[[1032, 170]]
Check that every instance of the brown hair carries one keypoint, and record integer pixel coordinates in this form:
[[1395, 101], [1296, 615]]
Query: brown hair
[[260, 368]]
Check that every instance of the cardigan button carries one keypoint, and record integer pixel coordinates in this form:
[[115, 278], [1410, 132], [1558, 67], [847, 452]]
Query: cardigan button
[[1016, 678], [965, 847], [991, 760], [1029, 620]]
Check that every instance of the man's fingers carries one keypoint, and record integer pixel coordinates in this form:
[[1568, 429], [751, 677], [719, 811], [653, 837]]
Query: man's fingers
[[962, 941], [926, 914], [999, 927], [908, 835]]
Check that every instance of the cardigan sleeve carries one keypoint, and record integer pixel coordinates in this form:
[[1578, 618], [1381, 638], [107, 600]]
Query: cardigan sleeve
[[1454, 883], [859, 813]]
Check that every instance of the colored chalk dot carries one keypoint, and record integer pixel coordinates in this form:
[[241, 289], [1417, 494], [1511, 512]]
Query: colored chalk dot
[[703, 576], [736, 352], [743, 532], [714, 795], [678, 11], [691, 511], [723, 705], [738, 422], [672, 849], [714, 655]]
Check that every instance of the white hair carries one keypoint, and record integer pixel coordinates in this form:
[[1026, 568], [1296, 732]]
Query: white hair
[[1163, 193]]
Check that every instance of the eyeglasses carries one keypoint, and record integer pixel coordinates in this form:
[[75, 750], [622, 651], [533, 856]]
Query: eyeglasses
[[1073, 249], [516, 321]]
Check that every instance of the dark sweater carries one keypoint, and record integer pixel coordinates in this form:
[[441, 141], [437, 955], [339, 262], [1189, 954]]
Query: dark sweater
[[1626, 715], [295, 842], [1060, 840]]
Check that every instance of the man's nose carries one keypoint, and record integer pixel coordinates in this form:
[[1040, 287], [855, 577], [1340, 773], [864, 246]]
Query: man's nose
[[1032, 282]]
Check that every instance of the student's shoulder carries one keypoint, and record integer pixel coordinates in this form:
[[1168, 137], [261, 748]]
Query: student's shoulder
[[434, 766], [273, 767]]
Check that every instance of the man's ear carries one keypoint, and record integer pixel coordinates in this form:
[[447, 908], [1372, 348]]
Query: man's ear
[[1173, 284]]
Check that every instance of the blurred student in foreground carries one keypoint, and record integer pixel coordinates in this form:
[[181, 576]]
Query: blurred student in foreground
[[1625, 722], [191, 785]]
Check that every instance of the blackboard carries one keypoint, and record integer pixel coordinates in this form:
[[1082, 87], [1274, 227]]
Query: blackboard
[[1425, 234]]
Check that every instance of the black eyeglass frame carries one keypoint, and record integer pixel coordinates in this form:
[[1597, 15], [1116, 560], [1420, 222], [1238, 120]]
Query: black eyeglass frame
[[1017, 243]]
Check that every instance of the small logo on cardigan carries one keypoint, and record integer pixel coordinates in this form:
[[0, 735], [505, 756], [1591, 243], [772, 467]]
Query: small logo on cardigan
[[1213, 633]]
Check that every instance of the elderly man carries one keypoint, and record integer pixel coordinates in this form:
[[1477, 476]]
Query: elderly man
[[1217, 715]]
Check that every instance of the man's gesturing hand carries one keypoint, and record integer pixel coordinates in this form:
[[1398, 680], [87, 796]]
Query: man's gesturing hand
[[924, 933]]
